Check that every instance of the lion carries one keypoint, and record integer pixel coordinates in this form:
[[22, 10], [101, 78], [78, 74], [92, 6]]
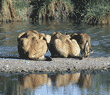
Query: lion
[[83, 40], [32, 81], [31, 45], [84, 81], [64, 80], [61, 46]]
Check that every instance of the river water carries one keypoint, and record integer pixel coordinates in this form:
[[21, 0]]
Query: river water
[[54, 84]]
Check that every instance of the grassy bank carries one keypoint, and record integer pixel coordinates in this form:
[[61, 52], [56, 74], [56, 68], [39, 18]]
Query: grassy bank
[[97, 12], [81, 11], [52, 9], [90, 12], [14, 10]]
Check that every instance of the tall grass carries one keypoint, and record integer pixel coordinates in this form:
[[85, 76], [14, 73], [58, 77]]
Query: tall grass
[[93, 12], [22, 8], [96, 10], [48, 8]]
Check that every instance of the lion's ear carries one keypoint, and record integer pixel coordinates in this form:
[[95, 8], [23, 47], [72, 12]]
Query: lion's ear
[[41, 36], [66, 33], [20, 35]]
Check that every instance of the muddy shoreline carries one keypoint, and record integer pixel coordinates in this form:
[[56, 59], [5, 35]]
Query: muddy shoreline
[[69, 65]]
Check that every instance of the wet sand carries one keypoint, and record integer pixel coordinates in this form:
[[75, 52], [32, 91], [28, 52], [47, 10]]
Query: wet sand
[[89, 64]]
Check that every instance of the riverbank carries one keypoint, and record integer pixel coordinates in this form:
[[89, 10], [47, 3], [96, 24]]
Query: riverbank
[[56, 65], [80, 11]]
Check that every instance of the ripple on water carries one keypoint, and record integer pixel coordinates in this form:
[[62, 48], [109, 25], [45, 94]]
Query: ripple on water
[[105, 43], [105, 36], [42, 31], [4, 50], [97, 32], [97, 54], [1, 33], [7, 39], [106, 39], [94, 43], [18, 31]]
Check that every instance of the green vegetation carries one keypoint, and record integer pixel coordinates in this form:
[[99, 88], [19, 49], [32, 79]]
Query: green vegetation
[[20, 4], [14, 10], [21, 8], [53, 9], [85, 11], [91, 12], [9, 85], [96, 11]]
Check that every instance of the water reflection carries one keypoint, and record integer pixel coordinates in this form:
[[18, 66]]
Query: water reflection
[[35, 82], [55, 84], [84, 80], [59, 80], [32, 81]]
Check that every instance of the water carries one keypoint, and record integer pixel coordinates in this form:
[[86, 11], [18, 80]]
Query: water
[[54, 84], [100, 35]]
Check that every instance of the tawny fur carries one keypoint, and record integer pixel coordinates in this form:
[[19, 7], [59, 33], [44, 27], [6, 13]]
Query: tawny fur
[[83, 40], [32, 81], [61, 46], [31, 45]]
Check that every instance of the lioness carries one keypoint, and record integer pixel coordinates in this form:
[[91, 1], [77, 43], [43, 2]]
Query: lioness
[[31, 45], [61, 46], [32, 81], [84, 80], [83, 40], [64, 80]]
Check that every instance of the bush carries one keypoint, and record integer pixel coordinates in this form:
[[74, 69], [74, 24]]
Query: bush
[[95, 11]]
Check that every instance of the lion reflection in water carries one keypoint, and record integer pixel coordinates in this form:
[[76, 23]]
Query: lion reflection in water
[[33, 81], [83, 80], [64, 80]]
